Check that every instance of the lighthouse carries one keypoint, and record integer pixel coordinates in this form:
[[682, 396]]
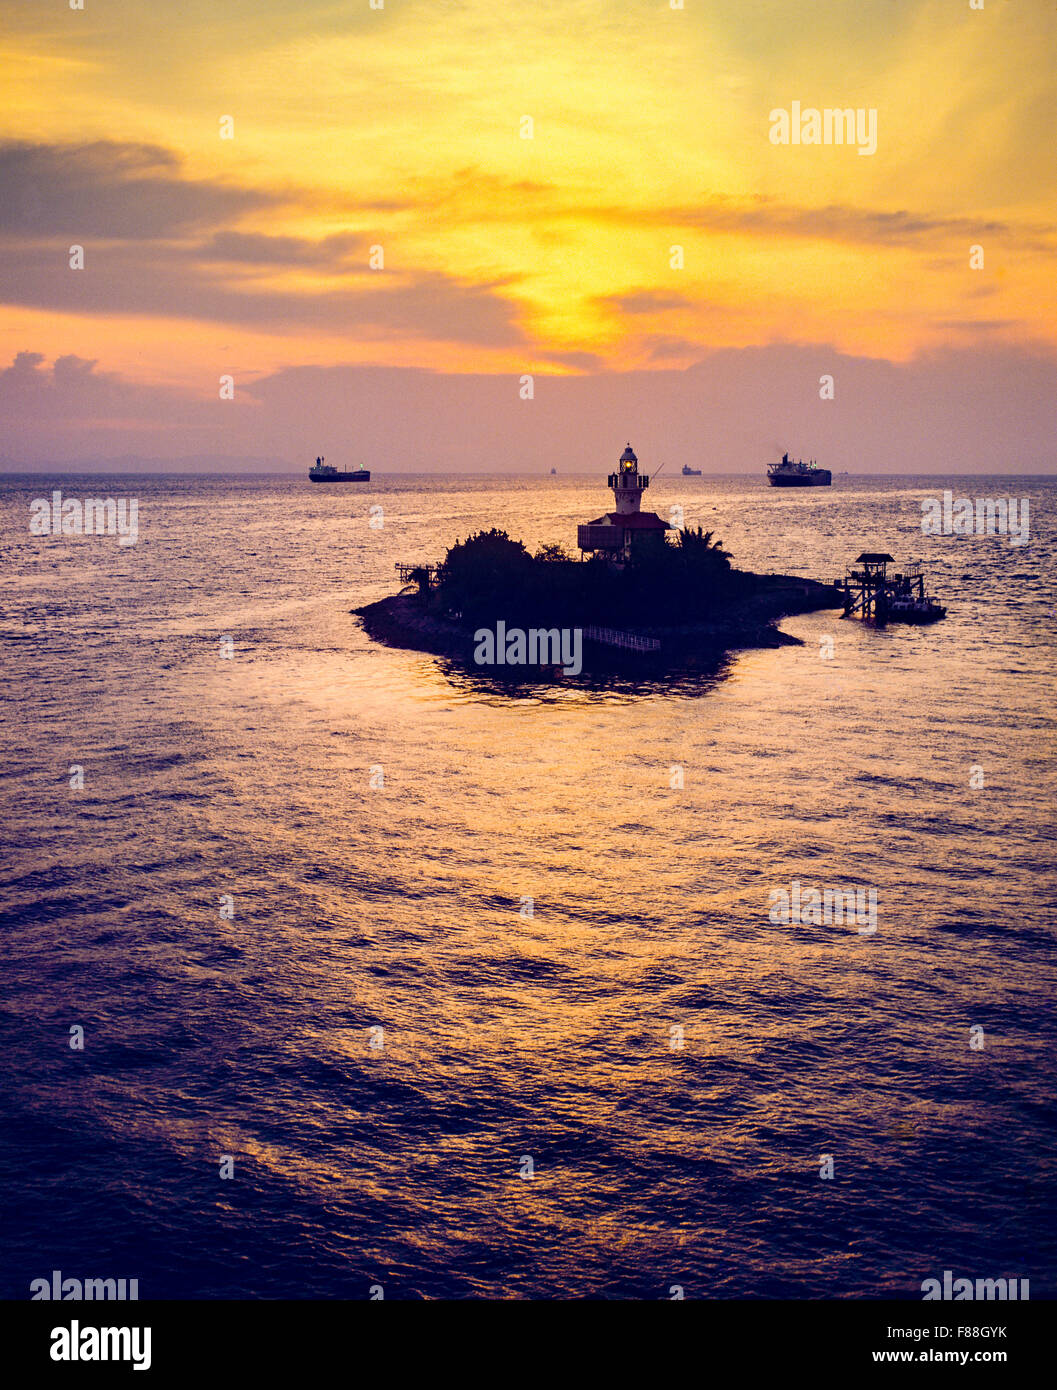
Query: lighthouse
[[617, 531], [628, 484]]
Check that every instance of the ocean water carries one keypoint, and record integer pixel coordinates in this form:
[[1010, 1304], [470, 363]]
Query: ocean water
[[603, 1070]]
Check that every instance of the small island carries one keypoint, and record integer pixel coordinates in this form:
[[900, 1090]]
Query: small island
[[643, 595]]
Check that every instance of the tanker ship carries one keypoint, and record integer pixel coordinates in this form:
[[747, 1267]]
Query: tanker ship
[[799, 474], [324, 472]]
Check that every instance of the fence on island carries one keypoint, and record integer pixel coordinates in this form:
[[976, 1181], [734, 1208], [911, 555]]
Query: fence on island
[[613, 637]]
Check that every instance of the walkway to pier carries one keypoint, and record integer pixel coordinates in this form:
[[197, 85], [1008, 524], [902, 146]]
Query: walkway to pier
[[613, 637]]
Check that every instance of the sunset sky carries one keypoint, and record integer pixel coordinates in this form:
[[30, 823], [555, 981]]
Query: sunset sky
[[401, 128]]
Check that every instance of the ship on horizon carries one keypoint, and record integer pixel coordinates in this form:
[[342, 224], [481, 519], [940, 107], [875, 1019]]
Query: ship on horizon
[[323, 472], [689, 472], [799, 474]]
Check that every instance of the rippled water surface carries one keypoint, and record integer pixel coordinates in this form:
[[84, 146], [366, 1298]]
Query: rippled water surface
[[507, 1036]]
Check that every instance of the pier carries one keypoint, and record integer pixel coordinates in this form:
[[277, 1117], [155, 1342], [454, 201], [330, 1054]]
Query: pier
[[870, 594], [864, 588], [425, 576]]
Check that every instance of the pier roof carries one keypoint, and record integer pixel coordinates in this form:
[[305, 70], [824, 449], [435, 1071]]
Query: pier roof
[[632, 521]]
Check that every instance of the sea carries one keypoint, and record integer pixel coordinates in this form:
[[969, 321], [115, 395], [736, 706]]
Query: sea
[[333, 971]]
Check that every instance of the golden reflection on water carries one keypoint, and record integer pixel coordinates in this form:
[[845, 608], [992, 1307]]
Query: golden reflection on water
[[405, 906]]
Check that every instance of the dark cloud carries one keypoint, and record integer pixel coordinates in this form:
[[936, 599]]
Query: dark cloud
[[163, 281], [644, 302], [125, 192], [586, 361], [138, 220], [661, 348], [253, 248]]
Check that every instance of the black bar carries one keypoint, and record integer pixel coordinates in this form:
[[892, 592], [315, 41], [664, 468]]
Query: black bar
[[738, 1340]]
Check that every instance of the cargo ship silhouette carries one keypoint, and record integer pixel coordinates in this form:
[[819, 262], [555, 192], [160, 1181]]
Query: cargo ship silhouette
[[323, 472], [799, 474]]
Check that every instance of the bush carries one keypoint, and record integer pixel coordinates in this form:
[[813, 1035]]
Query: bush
[[490, 576]]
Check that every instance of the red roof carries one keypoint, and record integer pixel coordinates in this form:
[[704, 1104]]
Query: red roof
[[632, 521]]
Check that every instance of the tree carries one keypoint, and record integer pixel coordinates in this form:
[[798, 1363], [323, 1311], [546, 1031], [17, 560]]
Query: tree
[[486, 569], [700, 549], [552, 555]]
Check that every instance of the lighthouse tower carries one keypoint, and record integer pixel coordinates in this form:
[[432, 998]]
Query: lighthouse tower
[[615, 533], [628, 483]]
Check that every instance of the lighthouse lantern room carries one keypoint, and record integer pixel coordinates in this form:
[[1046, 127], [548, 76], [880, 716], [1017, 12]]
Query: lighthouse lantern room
[[616, 532]]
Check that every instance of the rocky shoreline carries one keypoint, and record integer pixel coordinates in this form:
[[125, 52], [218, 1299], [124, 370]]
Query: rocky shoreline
[[404, 620]]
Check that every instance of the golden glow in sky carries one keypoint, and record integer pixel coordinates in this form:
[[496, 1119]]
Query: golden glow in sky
[[510, 245]]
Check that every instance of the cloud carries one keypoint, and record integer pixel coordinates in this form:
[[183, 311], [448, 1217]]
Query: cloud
[[475, 195], [71, 390], [985, 408], [126, 192], [667, 346], [161, 281], [977, 325], [834, 222], [585, 361], [644, 302], [141, 222], [255, 248]]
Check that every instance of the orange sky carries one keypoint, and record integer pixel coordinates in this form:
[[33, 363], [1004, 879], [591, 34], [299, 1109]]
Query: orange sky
[[401, 128]]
